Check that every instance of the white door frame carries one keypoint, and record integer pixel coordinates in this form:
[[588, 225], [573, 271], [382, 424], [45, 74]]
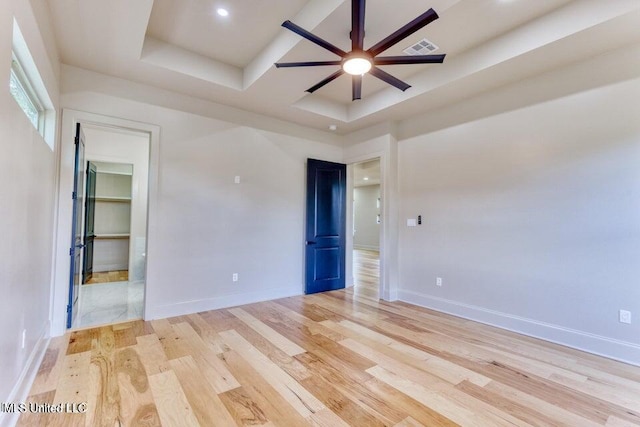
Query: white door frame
[[388, 226], [60, 282], [350, 213]]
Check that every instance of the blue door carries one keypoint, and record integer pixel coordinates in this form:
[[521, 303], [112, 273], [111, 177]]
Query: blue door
[[326, 226], [76, 228]]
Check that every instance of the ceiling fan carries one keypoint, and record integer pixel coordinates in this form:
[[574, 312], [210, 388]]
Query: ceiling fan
[[358, 61]]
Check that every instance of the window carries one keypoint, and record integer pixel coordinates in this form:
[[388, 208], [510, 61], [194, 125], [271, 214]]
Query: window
[[23, 93], [29, 90]]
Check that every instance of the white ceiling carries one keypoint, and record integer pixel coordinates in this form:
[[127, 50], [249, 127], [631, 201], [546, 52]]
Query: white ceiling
[[184, 46]]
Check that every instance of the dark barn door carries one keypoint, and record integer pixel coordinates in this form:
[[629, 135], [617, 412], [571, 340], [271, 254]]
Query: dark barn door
[[326, 226], [89, 217]]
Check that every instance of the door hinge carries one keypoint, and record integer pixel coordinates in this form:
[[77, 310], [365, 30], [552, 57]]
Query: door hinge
[[74, 195], [68, 308], [70, 251]]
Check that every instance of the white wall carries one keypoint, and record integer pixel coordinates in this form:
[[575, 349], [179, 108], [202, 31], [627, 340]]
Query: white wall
[[119, 146], [27, 186], [206, 226], [532, 219], [366, 210]]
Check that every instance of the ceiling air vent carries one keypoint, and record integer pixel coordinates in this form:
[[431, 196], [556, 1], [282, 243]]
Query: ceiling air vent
[[423, 47]]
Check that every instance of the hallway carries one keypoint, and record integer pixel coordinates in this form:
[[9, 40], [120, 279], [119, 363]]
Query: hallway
[[366, 273]]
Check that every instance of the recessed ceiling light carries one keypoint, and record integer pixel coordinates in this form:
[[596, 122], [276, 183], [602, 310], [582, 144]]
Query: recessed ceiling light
[[366, 178], [333, 127], [222, 12]]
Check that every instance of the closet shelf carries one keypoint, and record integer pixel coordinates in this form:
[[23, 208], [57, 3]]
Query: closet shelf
[[112, 236], [113, 199]]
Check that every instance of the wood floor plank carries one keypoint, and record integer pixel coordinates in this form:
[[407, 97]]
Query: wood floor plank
[[73, 386], [409, 422], [266, 400], [173, 407], [416, 410], [523, 406], [333, 359], [124, 337], [324, 387], [296, 395], [268, 333], [152, 354], [137, 406], [104, 396], [51, 366], [287, 363], [314, 326], [207, 406], [452, 409], [171, 343], [243, 409], [80, 341], [211, 368], [28, 418], [208, 334]]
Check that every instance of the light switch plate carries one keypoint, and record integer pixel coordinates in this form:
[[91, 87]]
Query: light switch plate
[[411, 222]]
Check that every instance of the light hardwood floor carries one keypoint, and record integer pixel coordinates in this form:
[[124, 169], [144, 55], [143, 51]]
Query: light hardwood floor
[[366, 272], [330, 359], [108, 277]]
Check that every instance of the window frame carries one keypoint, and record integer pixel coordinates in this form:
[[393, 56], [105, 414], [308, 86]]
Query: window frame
[[24, 84]]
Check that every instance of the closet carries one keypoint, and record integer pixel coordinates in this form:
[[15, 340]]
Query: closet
[[112, 219]]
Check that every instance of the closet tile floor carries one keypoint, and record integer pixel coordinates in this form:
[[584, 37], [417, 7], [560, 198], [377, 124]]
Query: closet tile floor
[[114, 302]]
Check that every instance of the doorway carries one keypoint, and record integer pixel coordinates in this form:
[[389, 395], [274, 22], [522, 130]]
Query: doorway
[[367, 219], [114, 226], [61, 288]]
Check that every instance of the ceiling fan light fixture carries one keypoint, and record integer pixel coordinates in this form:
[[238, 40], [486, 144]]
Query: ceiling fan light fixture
[[359, 61], [357, 65]]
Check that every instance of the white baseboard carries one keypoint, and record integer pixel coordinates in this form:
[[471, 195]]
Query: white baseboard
[[103, 268], [390, 295], [196, 306], [20, 390], [597, 344]]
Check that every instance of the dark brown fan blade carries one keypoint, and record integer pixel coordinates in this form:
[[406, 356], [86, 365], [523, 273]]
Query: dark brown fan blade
[[314, 39], [357, 24], [413, 26], [386, 77], [417, 59], [306, 64], [357, 87], [329, 79]]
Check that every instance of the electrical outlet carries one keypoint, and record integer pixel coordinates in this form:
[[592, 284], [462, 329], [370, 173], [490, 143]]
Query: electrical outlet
[[625, 316], [234, 277], [438, 281], [24, 337]]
